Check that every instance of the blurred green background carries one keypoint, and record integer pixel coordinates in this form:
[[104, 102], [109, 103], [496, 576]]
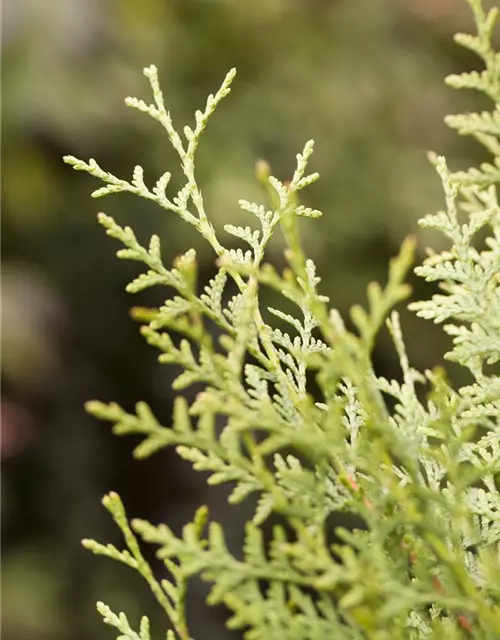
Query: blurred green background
[[363, 78]]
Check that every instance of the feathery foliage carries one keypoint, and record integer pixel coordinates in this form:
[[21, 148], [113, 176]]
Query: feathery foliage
[[415, 459]]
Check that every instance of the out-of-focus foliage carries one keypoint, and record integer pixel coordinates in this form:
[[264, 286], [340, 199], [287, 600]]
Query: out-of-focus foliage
[[363, 78]]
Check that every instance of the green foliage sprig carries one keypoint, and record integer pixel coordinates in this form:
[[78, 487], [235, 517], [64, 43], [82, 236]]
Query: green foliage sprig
[[421, 471]]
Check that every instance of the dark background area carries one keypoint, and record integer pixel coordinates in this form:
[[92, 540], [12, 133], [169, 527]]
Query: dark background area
[[363, 78]]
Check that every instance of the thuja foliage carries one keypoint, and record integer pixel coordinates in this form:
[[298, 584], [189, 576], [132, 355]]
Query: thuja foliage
[[415, 459]]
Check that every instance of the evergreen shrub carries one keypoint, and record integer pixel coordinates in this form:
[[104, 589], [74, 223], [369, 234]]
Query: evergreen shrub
[[303, 421]]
